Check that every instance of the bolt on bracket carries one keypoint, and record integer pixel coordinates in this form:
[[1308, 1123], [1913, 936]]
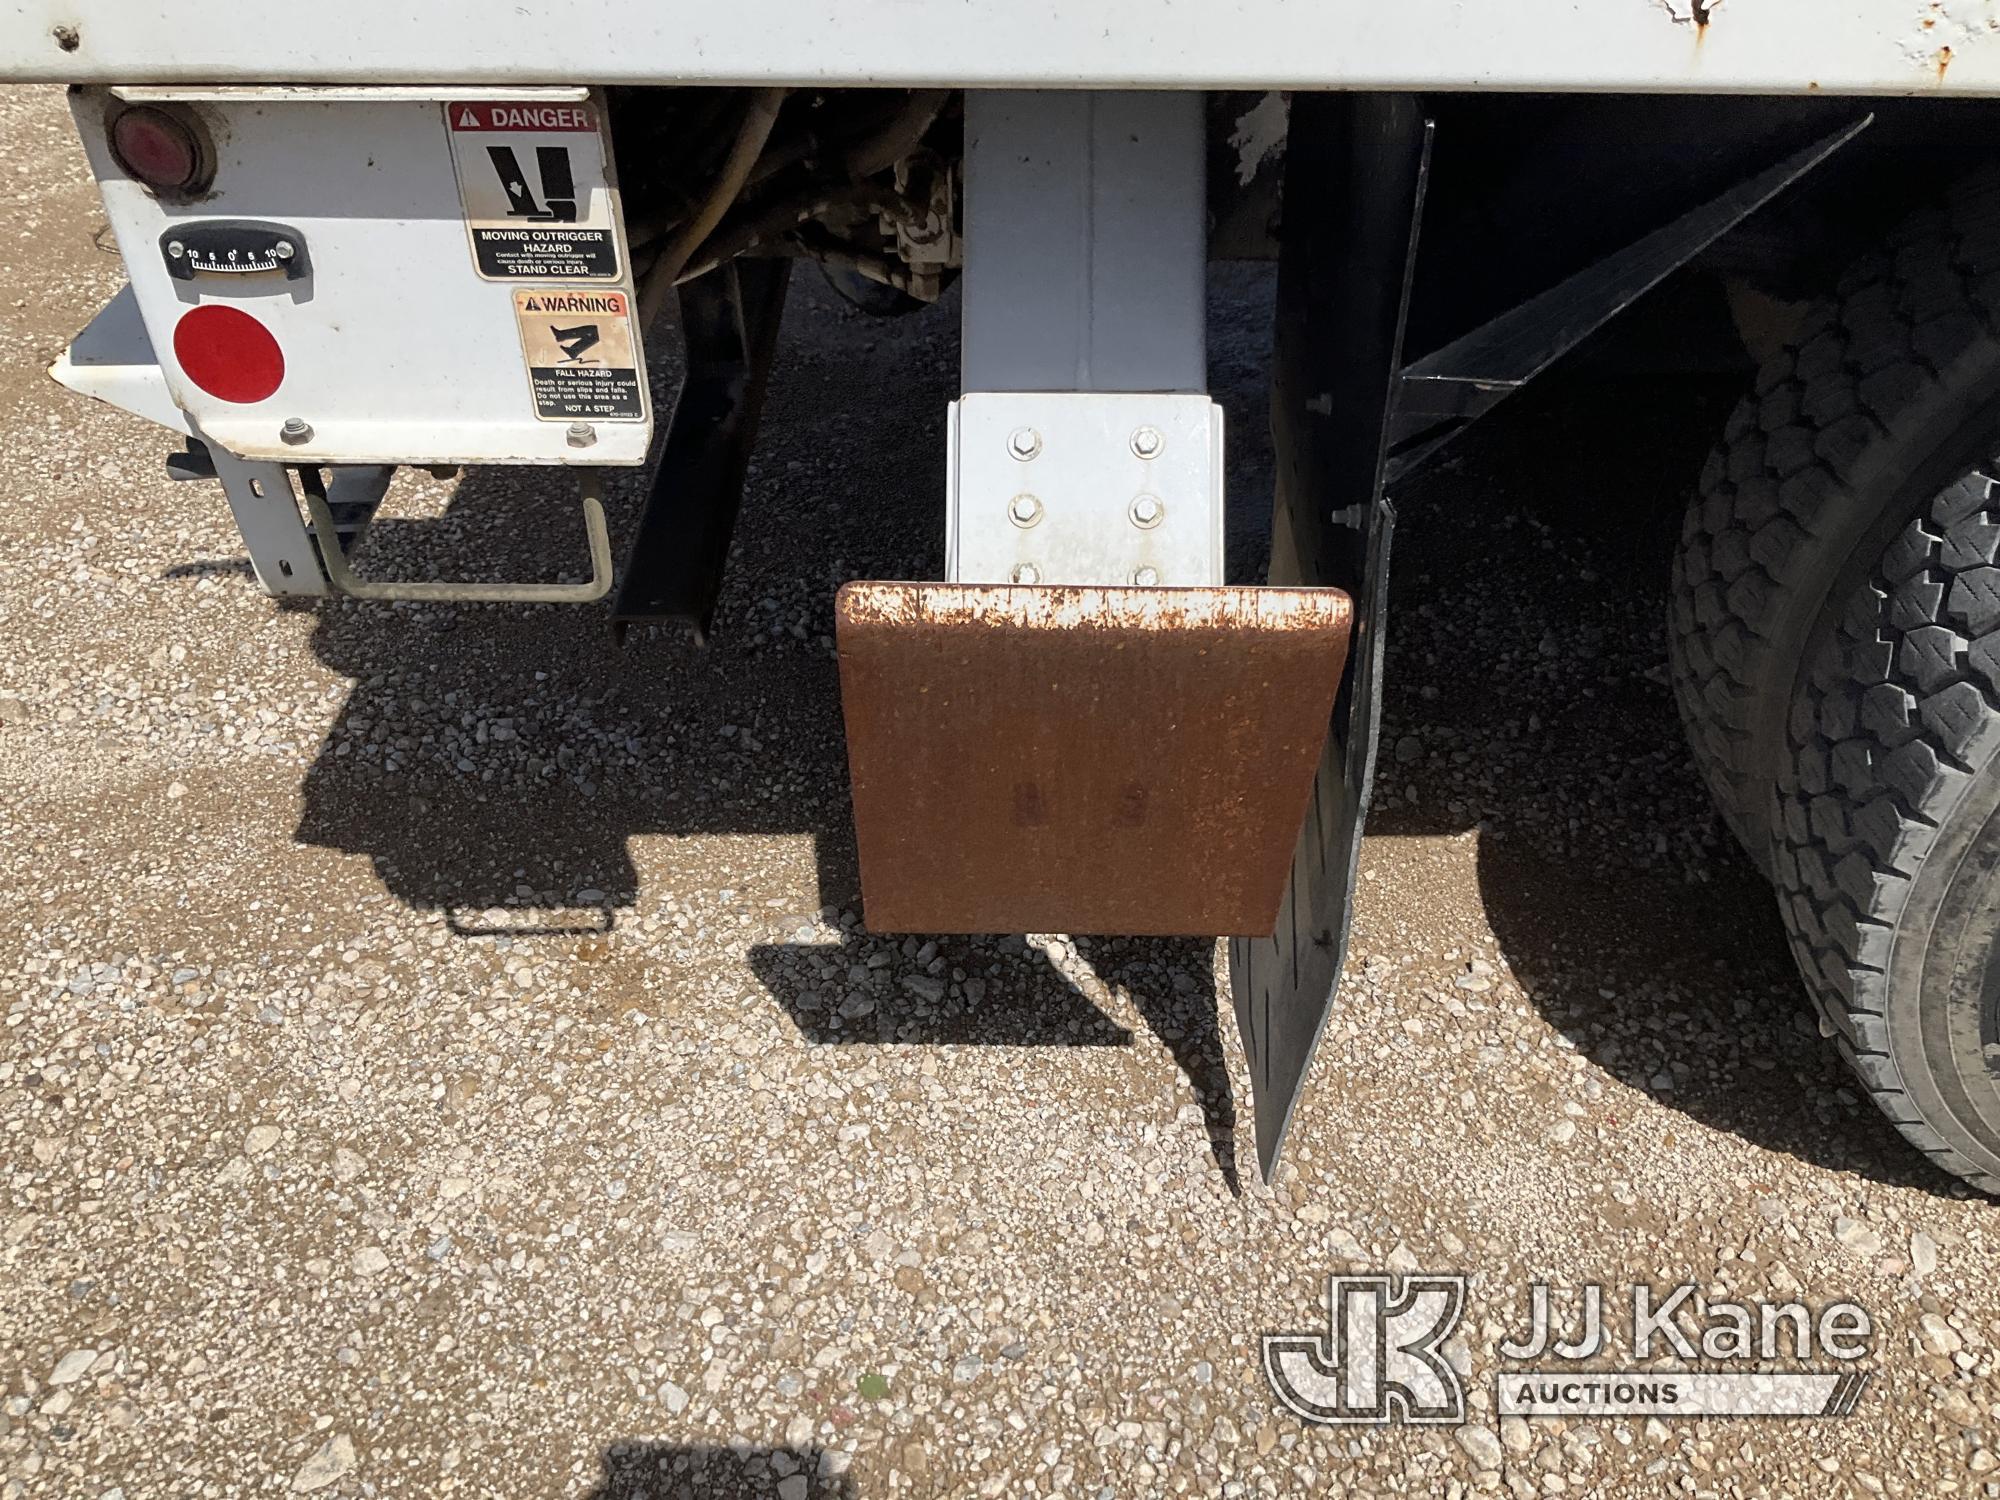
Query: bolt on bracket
[[1085, 487]]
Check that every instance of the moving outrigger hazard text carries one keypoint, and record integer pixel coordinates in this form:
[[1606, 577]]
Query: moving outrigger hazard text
[[536, 194], [582, 358]]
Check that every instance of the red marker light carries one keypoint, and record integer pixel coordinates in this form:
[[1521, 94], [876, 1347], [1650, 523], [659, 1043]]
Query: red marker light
[[157, 148], [228, 353]]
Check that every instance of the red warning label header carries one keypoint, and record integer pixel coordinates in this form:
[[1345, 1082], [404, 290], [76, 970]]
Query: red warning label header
[[526, 116]]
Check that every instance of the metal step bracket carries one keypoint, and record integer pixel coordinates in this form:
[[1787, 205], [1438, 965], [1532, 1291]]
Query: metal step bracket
[[1084, 487], [326, 531], [1083, 729], [1097, 760]]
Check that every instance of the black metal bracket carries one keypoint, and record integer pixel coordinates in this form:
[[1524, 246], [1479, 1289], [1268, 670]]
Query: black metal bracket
[[192, 462], [674, 569], [1445, 392]]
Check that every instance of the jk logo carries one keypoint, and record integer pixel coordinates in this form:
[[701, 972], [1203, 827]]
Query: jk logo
[[1378, 1360]]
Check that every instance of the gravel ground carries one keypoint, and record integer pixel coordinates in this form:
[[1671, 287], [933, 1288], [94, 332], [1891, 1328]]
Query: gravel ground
[[441, 1056]]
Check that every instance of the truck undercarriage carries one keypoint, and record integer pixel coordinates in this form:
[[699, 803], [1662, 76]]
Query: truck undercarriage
[[1089, 725]]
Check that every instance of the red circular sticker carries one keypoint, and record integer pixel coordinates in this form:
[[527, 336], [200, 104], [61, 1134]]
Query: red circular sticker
[[228, 353]]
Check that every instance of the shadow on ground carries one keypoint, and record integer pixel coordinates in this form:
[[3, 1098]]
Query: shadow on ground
[[641, 1470], [1527, 697], [495, 764], [833, 996]]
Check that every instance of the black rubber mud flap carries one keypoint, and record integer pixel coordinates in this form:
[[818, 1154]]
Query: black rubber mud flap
[[1353, 198]]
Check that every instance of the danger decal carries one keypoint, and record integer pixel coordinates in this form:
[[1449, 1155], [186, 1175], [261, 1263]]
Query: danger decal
[[535, 189], [522, 117], [582, 358]]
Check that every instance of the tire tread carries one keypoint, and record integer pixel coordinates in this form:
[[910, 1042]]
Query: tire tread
[[1838, 724]]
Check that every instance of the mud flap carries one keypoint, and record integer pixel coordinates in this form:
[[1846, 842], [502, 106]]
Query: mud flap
[[1353, 198], [1283, 985]]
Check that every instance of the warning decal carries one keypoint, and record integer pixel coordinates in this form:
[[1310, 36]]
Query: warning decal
[[582, 358], [537, 200]]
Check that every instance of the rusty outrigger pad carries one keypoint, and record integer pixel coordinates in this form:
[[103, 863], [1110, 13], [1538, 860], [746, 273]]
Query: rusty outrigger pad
[[1090, 760]]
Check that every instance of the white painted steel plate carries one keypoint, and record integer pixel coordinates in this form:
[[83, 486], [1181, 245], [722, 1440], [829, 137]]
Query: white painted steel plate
[[1062, 483], [1747, 46]]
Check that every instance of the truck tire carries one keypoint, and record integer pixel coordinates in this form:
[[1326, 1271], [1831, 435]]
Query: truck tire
[[1880, 400], [1835, 641], [1886, 851]]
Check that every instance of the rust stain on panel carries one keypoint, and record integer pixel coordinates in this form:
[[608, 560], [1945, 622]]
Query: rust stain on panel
[[1944, 32], [1696, 13], [1083, 759]]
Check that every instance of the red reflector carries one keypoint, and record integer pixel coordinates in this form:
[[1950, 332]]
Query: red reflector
[[228, 353], [155, 148]]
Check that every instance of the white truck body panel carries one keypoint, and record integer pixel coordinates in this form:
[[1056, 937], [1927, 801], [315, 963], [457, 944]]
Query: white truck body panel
[[1668, 46], [396, 348]]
